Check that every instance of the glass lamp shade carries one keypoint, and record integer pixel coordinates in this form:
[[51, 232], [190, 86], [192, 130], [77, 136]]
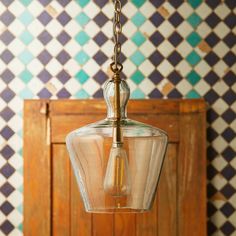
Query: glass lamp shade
[[121, 177]]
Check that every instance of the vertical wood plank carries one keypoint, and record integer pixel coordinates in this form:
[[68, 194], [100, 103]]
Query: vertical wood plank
[[125, 224], [192, 173], [37, 170], [146, 223], [61, 191], [103, 224], [80, 220], [167, 209]]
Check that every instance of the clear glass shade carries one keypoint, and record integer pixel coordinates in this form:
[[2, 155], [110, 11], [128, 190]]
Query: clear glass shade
[[117, 177]]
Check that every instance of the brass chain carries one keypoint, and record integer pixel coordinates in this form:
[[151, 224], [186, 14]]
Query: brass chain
[[117, 30]]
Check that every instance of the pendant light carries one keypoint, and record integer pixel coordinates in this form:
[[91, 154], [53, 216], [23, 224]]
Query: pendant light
[[117, 161]]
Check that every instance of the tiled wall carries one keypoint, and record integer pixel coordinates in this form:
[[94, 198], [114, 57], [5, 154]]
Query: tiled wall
[[171, 49]]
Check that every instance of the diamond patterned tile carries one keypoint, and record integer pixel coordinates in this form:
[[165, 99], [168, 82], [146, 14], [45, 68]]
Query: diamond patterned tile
[[174, 49]]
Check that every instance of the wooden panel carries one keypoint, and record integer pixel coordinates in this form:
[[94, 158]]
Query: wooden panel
[[146, 223], [37, 170], [125, 225], [167, 212], [192, 174], [103, 224], [80, 220], [150, 106], [63, 124], [185, 166], [61, 191]]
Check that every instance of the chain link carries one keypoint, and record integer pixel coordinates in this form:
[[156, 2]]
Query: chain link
[[117, 30]]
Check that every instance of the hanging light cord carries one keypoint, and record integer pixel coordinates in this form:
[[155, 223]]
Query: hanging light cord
[[116, 66]]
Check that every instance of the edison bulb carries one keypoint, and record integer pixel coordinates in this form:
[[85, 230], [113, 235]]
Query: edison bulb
[[117, 178]]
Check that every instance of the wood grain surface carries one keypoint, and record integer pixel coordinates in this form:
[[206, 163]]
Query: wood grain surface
[[52, 202]]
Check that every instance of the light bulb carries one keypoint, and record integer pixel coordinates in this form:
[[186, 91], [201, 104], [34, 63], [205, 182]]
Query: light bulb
[[117, 177]]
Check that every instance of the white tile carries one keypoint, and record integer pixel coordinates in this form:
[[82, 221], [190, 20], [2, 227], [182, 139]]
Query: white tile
[[146, 86], [147, 48], [165, 48], [183, 87], [166, 29], [35, 67], [147, 28], [16, 28], [221, 30], [16, 66], [128, 48], [91, 9], [218, 181], [72, 9], [221, 49], [35, 47], [35, 28], [91, 68], [185, 10], [90, 86], [147, 68], [129, 9], [219, 144], [222, 10], [165, 68], [220, 68], [202, 68], [219, 163], [203, 10], [91, 48], [54, 27], [203, 29], [35, 8], [202, 87], [91, 29], [128, 29], [147, 9], [72, 28], [16, 8]]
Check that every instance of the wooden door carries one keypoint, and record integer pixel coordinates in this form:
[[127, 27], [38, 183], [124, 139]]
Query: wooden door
[[52, 204]]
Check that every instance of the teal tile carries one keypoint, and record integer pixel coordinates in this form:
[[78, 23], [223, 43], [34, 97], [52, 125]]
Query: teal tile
[[82, 57], [193, 77], [195, 3], [138, 38], [193, 58], [138, 3], [194, 39], [20, 227], [82, 3], [82, 19], [25, 2], [20, 152], [137, 77], [137, 58], [26, 76], [82, 76], [20, 133], [20, 170], [20, 208], [138, 19], [26, 37], [193, 94], [82, 94], [26, 94], [82, 38], [26, 57], [194, 20], [137, 94], [26, 18]]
